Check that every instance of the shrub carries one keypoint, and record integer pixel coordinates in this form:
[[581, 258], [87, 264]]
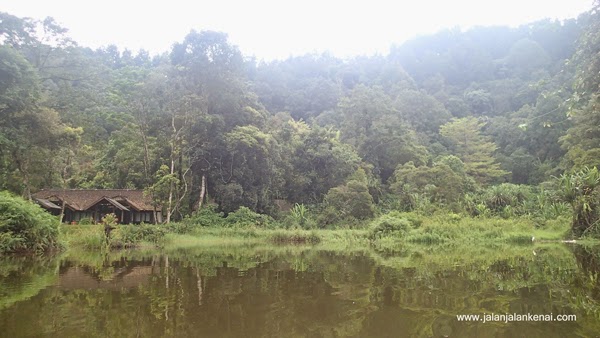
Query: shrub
[[183, 227], [581, 189], [132, 234], [415, 219], [506, 200], [327, 216], [498, 197], [86, 221], [299, 214], [244, 217], [207, 216], [25, 226], [454, 218], [519, 239], [351, 200], [389, 225], [294, 237]]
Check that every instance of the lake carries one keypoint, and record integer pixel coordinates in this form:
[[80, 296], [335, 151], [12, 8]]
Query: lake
[[303, 291]]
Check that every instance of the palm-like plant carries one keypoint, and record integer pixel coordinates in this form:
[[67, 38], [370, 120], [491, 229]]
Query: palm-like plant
[[580, 190], [299, 213]]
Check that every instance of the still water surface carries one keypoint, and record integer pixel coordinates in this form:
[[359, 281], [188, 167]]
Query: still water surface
[[300, 292]]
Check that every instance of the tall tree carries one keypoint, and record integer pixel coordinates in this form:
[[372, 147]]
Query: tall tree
[[377, 130], [351, 199], [250, 176], [583, 139], [475, 150], [28, 131], [213, 71], [313, 160]]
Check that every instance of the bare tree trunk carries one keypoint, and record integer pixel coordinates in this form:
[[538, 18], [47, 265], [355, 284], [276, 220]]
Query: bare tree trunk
[[183, 194], [171, 188], [62, 208], [142, 120], [172, 170], [202, 191], [64, 175], [146, 157], [22, 166], [155, 213], [27, 187]]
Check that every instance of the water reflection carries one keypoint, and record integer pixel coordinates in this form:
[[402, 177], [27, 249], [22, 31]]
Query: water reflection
[[300, 292]]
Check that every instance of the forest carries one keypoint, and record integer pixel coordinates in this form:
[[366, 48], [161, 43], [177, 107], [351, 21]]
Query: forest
[[489, 121]]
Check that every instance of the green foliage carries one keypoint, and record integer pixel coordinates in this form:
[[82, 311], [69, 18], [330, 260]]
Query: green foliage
[[512, 201], [582, 141], [351, 200], [391, 224], [499, 197], [86, 221], [300, 217], [29, 131], [445, 229], [246, 218], [133, 234], [375, 128], [164, 181], [253, 172], [479, 101], [473, 148], [89, 237], [299, 213], [525, 57], [208, 216], [294, 237], [203, 118], [25, 226], [441, 184], [109, 220], [581, 190], [19, 88], [313, 160]]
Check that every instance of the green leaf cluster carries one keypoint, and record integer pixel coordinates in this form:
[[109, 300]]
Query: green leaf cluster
[[25, 226]]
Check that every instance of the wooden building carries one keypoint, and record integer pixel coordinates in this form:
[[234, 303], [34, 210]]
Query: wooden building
[[130, 206]]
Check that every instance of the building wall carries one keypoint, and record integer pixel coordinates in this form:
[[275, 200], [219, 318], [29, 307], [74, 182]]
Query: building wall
[[128, 217]]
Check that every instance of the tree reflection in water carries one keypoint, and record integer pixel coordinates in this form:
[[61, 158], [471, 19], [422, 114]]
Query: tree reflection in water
[[300, 292]]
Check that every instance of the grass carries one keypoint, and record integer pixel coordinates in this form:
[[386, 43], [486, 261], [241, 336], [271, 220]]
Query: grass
[[438, 230], [382, 233], [89, 237], [294, 237], [430, 231], [206, 239], [234, 236], [92, 236]]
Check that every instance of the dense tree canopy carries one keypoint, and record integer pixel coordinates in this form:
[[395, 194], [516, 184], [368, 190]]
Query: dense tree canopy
[[582, 140], [439, 116]]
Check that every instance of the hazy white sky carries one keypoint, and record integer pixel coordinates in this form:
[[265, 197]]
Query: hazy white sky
[[275, 29]]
